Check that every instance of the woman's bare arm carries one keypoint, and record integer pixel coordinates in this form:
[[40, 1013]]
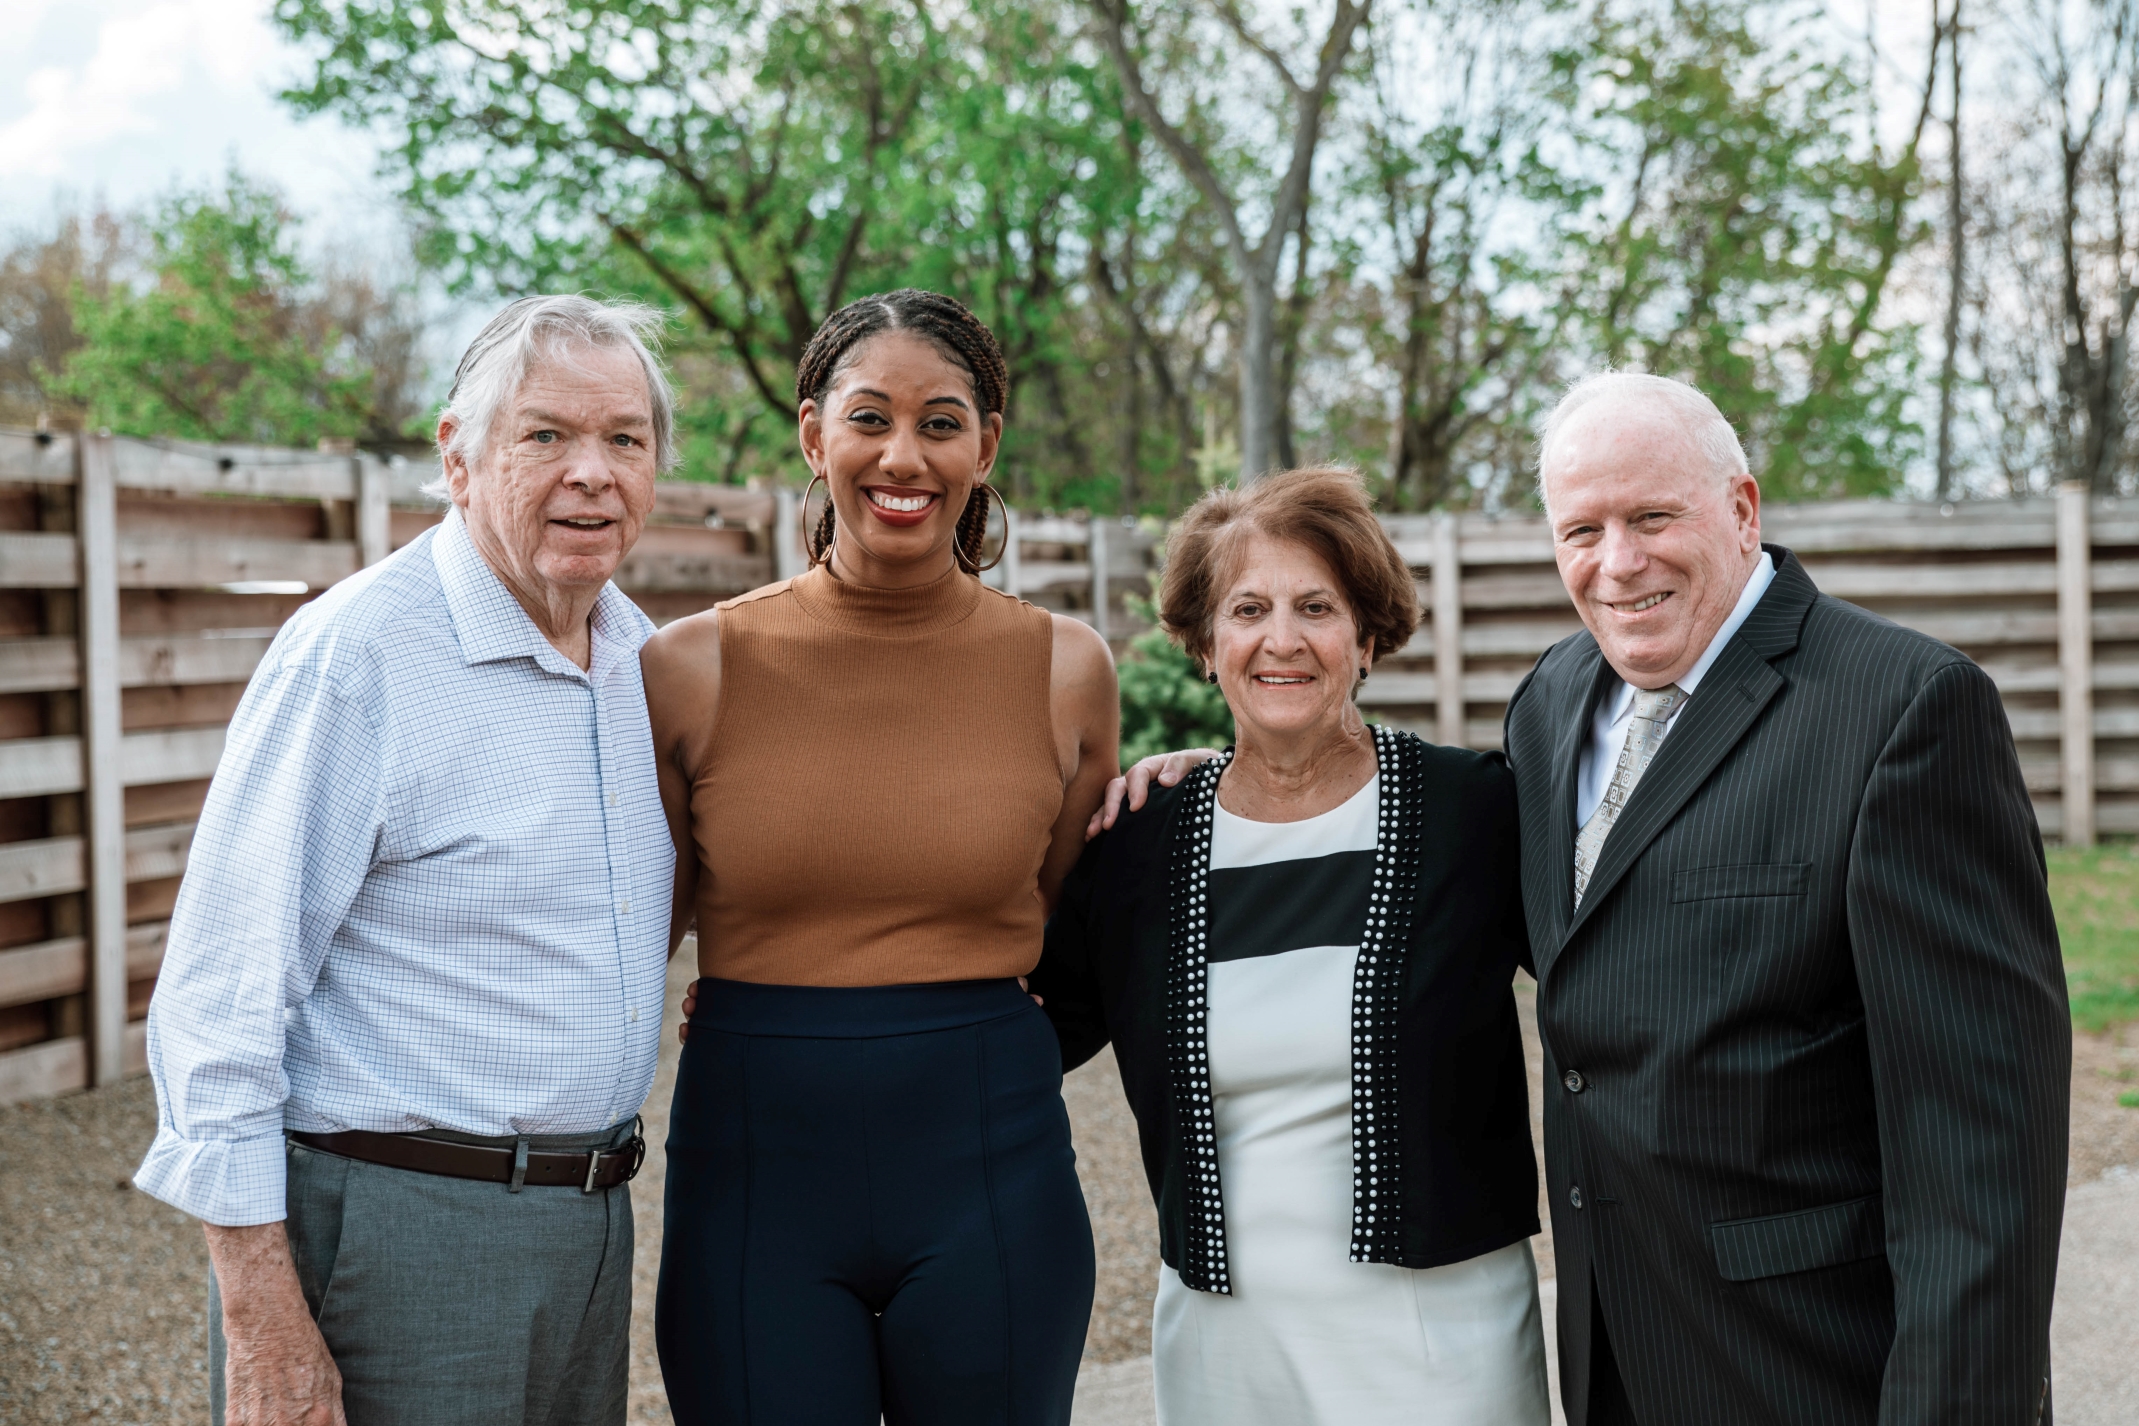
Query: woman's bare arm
[[681, 665], [1087, 713]]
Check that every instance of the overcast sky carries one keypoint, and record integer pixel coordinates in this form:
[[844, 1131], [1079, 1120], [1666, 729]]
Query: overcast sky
[[119, 100]]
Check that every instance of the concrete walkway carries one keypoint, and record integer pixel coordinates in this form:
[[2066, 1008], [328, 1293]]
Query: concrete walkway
[[2094, 1329]]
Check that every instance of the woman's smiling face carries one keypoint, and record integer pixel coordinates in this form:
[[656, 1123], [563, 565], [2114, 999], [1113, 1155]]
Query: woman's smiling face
[[901, 440], [1284, 642]]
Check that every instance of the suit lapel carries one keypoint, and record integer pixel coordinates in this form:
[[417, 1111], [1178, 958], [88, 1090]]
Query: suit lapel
[[1738, 686]]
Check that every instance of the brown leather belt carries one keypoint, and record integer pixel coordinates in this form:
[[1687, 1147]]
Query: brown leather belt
[[605, 1168]]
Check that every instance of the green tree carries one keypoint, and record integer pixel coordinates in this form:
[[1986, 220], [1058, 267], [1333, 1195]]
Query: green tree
[[1165, 703], [1739, 224], [1470, 338], [753, 163], [217, 344], [41, 273], [1198, 57]]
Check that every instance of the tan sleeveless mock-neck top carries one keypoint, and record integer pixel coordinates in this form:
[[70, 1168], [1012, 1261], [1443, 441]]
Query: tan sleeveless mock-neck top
[[880, 787]]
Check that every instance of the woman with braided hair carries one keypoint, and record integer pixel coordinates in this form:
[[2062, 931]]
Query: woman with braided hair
[[878, 774]]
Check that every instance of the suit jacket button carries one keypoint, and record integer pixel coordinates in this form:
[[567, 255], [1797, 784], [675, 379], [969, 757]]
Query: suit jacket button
[[1574, 1081], [1574, 1196]]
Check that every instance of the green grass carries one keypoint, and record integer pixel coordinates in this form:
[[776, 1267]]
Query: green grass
[[2096, 896]]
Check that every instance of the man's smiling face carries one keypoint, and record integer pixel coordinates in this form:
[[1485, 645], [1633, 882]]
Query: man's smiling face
[[559, 495], [1653, 545]]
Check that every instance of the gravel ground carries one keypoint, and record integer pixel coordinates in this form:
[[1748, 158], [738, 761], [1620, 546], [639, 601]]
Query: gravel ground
[[2105, 1134], [102, 1288]]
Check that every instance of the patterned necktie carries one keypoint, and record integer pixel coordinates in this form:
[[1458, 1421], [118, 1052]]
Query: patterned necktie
[[1652, 713]]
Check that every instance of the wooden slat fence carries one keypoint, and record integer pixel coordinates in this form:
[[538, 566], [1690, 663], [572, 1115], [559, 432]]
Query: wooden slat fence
[[2043, 593], [140, 583]]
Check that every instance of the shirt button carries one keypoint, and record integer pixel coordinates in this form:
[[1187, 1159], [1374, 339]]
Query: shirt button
[[1574, 1197], [1574, 1081], [624, 906], [612, 799], [634, 1014]]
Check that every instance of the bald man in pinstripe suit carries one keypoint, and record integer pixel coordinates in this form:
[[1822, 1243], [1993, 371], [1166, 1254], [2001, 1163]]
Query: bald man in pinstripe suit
[[1807, 1047]]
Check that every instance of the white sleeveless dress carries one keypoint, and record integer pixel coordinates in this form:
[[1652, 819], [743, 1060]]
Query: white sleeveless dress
[[1309, 1337]]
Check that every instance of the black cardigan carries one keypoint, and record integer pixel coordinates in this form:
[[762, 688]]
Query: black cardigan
[[1123, 962]]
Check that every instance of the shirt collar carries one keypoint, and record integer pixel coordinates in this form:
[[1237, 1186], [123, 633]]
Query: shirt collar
[[1756, 585], [491, 625]]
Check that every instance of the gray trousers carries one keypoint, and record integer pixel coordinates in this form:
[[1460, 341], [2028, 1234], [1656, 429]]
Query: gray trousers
[[448, 1302]]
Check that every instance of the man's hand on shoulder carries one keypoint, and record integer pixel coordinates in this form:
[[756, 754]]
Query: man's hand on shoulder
[[1134, 786], [278, 1371]]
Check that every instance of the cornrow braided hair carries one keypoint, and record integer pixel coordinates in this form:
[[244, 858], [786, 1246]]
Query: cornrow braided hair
[[957, 333]]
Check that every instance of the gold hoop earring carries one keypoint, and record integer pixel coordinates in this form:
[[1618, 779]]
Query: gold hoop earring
[[809, 533], [1005, 504]]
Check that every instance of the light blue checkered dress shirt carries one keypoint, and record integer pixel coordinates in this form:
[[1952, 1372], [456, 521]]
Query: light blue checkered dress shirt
[[429, 889]]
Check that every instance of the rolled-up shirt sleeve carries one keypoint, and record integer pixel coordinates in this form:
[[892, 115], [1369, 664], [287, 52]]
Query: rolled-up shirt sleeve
[[284, 843]]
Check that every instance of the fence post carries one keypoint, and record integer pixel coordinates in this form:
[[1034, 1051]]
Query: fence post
[[2075, 660], [1096, 548], [374, 511], [786, 533], [103, 785], [1448, 628], [1013, 561]]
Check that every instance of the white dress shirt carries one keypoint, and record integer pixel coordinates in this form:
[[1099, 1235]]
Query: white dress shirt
[[1615, 708], [429, 889]]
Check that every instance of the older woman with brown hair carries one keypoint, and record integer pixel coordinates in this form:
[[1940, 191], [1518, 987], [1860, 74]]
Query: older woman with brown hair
[[1303, 956]]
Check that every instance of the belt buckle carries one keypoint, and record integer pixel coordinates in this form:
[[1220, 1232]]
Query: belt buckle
[[635, 1146]]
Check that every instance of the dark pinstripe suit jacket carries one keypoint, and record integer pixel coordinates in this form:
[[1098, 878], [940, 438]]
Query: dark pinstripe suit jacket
[[1806, 1041]]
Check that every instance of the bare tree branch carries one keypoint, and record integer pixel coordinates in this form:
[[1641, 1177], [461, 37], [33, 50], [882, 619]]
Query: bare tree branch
[[1137, 95], [738, 337], [1238, 24]]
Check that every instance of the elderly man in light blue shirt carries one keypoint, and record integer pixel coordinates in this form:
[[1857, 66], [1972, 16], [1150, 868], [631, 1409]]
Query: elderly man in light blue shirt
[[411, 1002]]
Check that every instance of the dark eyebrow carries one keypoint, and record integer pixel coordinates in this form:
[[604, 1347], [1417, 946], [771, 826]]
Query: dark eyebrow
[[932, 401]]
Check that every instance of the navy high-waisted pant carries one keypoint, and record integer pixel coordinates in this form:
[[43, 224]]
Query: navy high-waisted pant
[[872, 1208]]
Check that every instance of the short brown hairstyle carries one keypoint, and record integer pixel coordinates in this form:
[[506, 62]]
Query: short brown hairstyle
[[1325, 509]]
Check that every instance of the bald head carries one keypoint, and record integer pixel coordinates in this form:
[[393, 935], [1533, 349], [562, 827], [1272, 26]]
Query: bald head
[[1655, 522], [1657, 405]]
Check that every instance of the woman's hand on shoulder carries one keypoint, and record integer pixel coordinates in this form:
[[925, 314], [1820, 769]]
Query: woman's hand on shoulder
[[1134, 786]]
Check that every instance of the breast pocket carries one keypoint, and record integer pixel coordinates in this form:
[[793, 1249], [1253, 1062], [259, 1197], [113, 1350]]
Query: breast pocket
[[1713, 883]]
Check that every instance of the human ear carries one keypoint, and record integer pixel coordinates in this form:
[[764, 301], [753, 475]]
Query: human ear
[[991, 441], [452, 462], [809, 430], [1745, 503]]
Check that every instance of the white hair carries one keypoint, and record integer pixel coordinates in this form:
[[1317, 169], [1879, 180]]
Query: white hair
[[549, 328], [1710, 433]]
